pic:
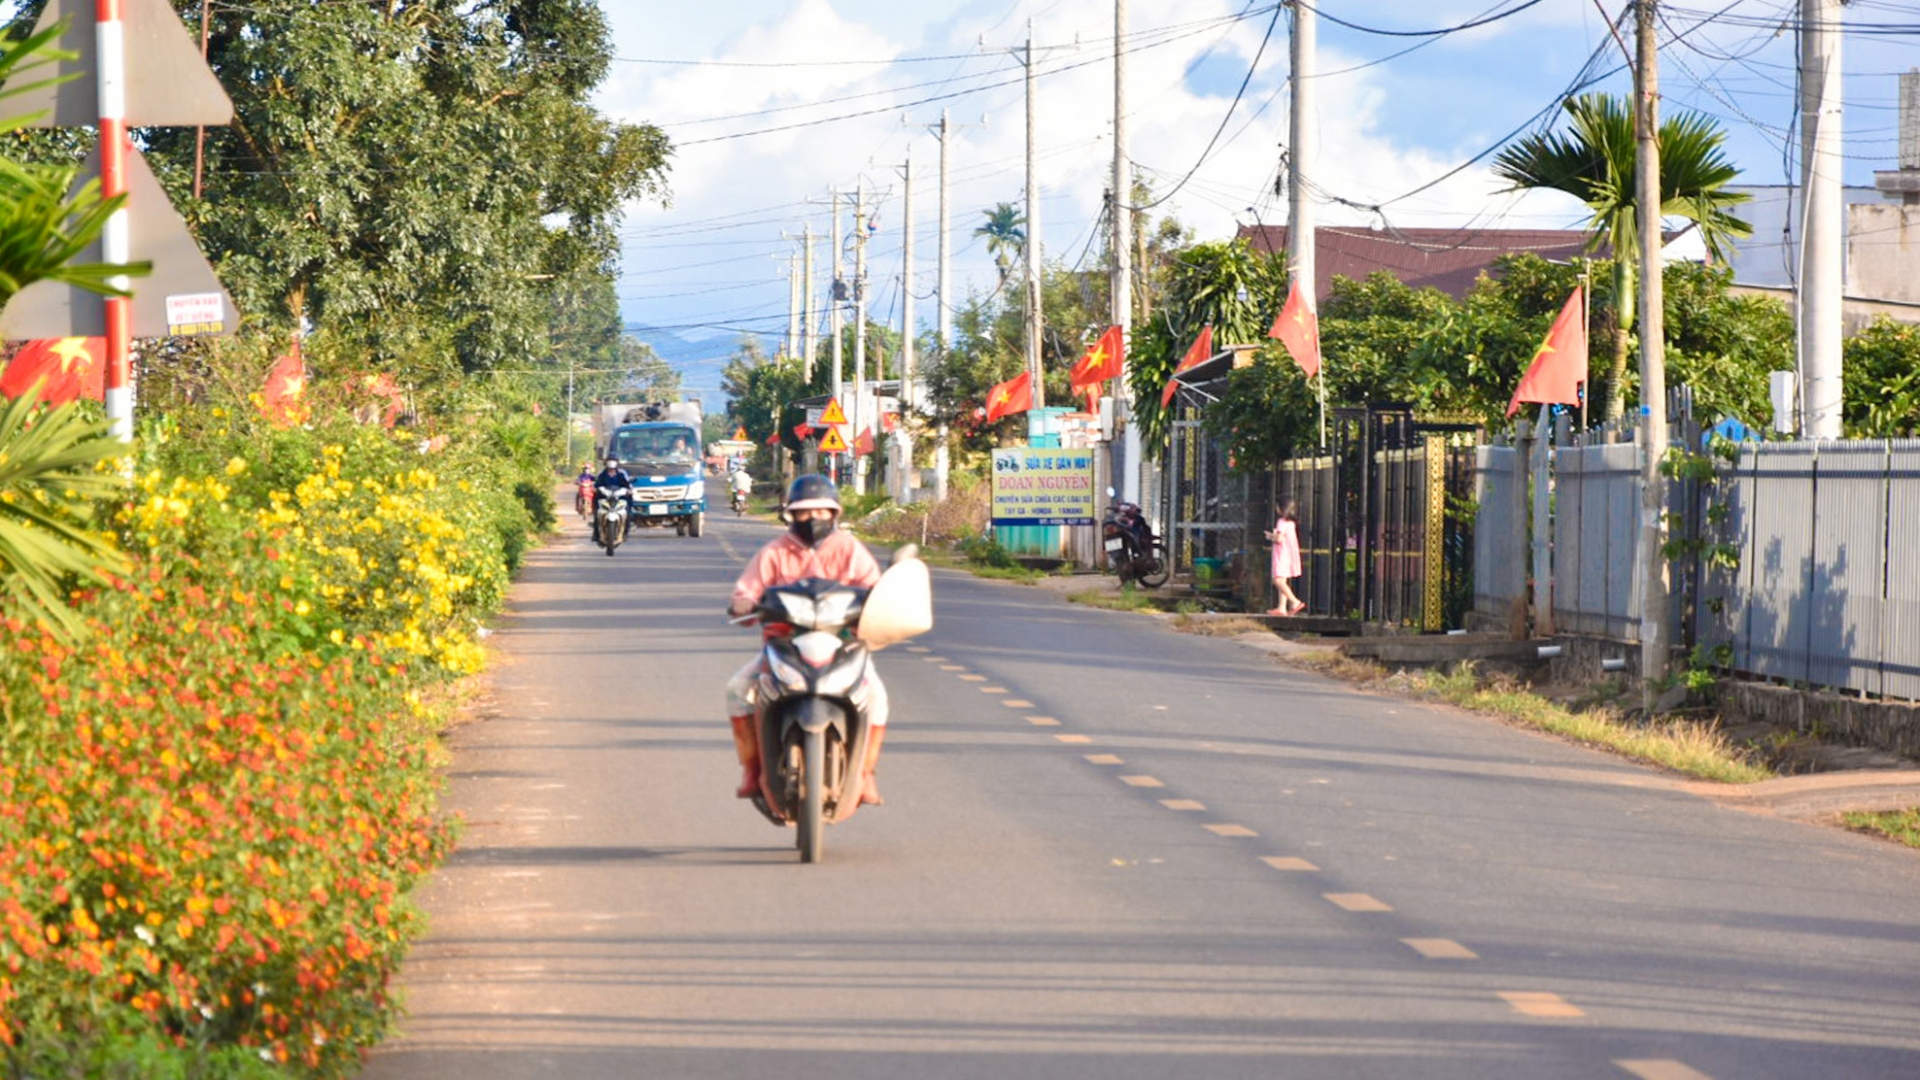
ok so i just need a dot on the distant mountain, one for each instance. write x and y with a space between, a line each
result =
697 359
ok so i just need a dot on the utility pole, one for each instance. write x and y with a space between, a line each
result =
1035 320
1653 369
809 319
1823 223
793 303
1303 135
909 392
859 416
1122 287
835 293
944 311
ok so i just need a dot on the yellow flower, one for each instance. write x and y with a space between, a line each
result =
236 466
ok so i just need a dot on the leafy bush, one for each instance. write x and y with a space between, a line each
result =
215 800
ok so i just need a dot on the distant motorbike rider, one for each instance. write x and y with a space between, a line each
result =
812 547
611 479
741 483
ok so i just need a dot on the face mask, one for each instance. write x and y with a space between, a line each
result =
812 530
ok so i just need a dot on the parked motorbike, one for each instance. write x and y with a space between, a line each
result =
610 520
813 739
1133 552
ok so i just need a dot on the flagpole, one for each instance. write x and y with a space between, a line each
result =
1586 333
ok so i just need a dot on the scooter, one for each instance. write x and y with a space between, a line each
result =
1133 552
813 738
610 523
583 498
739 501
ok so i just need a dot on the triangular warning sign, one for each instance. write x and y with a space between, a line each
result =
167 82
740 434
832 443
833 414
181 283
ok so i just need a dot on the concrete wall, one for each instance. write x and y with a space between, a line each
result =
1883 252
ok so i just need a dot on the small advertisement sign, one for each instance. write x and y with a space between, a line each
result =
189 314
1043 486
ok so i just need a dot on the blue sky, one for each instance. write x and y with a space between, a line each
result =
713 262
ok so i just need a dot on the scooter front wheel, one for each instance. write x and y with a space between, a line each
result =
812 821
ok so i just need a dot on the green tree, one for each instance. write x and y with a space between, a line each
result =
1881 381
1594 161
1005 232
424 182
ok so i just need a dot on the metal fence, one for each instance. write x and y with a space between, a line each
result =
1815 594
1596 525
1500 531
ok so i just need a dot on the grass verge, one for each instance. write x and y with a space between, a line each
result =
1127 599
1683 746
1219 626
1899 825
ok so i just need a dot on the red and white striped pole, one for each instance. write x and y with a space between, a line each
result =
115 242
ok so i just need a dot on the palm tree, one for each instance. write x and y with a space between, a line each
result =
1594 162
1006 233
49 485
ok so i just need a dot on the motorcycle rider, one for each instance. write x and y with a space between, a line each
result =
741 483
812 547
610 479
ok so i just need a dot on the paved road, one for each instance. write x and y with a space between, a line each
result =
1111 852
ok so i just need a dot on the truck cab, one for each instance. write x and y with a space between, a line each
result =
669 480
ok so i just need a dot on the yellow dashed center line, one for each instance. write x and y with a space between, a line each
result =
1105 759
918 649
953 667
993 689
1043 721
1662 1070
1355 901
1016 703
934 659
1287 862
1539 1003
1230 830
1439 948
1141 781
1183 804
973 678
1076 740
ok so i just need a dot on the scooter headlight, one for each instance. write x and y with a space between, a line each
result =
789 676
841 680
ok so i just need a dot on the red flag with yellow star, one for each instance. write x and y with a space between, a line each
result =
863 442
1560 365
1298 328
1013 396
1197 353
67 368
1101 362
282 399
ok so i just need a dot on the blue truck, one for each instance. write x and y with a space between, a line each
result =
659 447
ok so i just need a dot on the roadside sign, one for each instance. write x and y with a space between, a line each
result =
1035 485
832 443
833 414
740 434
816 416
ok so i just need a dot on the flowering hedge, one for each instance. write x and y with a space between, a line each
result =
213 805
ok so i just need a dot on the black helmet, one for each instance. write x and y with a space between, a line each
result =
811 492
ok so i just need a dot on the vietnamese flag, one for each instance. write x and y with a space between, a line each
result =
802 430
69 368
1298 328
1197 353
863 442
773 439
286 384
1013 396
1560 365
1101 362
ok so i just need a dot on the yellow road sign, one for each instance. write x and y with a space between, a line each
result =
834 414
832 443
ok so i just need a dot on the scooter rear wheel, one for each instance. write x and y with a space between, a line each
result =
1156 574
813 797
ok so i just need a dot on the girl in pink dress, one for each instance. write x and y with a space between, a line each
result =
1286 560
